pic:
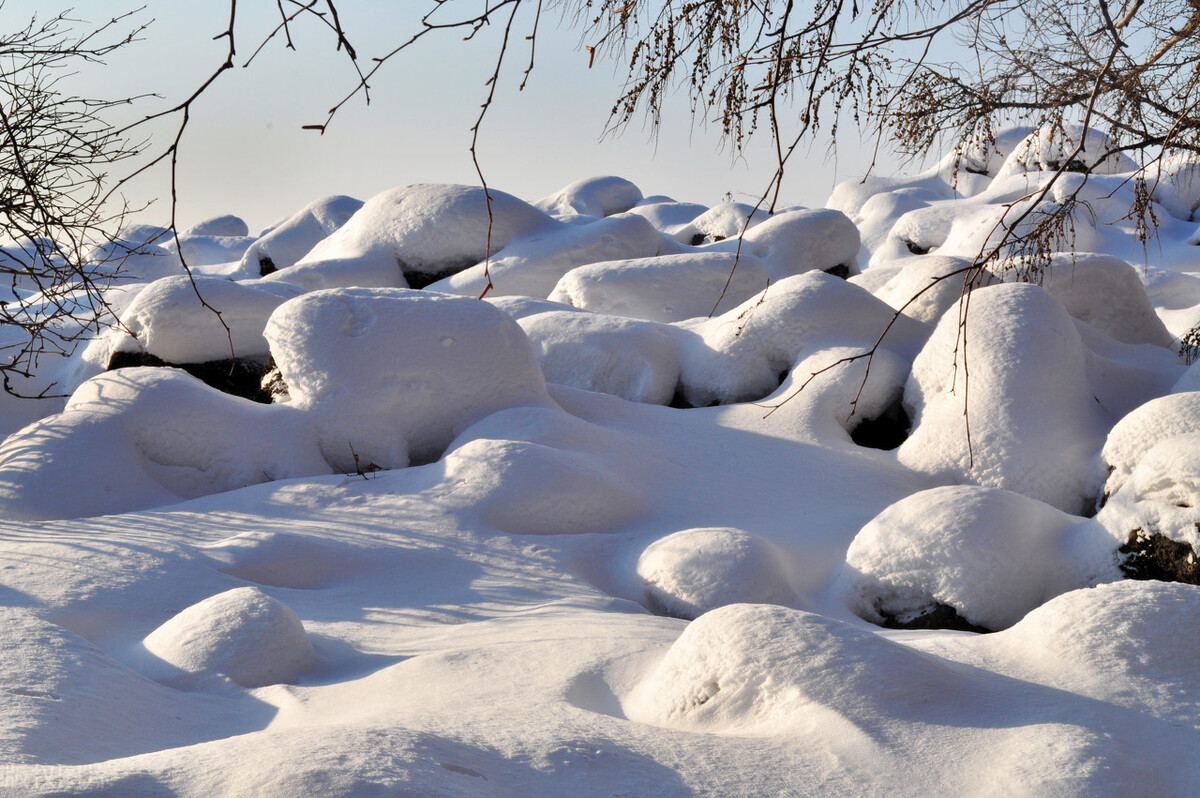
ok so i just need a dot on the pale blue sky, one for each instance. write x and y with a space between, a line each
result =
245 153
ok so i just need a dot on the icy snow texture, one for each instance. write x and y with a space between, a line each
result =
243 634
393 375
690 572
991 555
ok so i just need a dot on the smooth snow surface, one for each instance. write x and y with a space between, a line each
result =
634 523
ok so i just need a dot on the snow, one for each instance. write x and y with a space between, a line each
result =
601 533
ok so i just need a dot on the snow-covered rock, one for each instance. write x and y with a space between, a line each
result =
593 196
990 555
293 238
690 572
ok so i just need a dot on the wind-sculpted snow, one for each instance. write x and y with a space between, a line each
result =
698 500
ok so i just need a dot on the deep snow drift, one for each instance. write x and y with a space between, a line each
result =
636 523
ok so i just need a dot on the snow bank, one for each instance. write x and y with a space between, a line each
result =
243 634
690 572
990 555
393 375
1022 380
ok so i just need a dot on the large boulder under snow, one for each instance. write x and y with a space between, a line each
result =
429 231
989 555
1007 402
592 196
292 239
390 376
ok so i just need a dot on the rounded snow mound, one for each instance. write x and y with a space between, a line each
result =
1049 148
243 634
925 288
794 242
1144 428
1021 377
531 489
749 668
592 196
293 238
1134 641
666 288
990 555
690 572
168 320
391 376
430 231
727 220
635 360
228 226
1103 291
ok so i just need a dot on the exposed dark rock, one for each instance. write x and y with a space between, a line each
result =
842 270
239 377
916 248
272 382
266 266
420 279
936 616
1156 556
886 431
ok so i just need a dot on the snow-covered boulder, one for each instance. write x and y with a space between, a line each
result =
690 572
293 238
989 555
243 634
592 196
1047 148
1011 407
427 232
393 375
228 226
170 320
727 220
533 264
926 287
794 242
1145 428
667 288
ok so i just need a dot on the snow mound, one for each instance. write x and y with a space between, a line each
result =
1103 291
168 320
1048 148
666 215
429 231
794 242
143 437
667 288
718 223
228 226
925 288
294 237
531 489
690 572
758 668
533 265
1034 422
990 555
244 634
592 196
1135 642
1143 429
745 353
635 360
392 375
